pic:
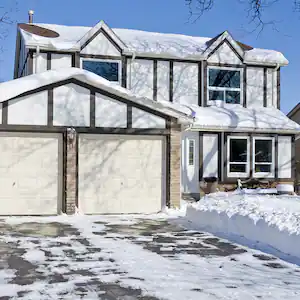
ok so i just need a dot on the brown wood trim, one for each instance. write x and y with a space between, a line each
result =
129 116
265 87
226 65
53 51
24 65
76 171
91 38
111 40
168 170
155 80
245 86
93 109
234 50
200 156
124 71
48 61
97 130
30 62
64 173
225 154
101 56
17 55
171 78
4 112
205 83
77 60
278 88
215 49
50 108
220 152
259 66
200 83
251 158
293 158
276 156
164 59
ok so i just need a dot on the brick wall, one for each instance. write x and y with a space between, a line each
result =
175 152
71 174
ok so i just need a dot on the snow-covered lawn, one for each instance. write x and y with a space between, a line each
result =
131 257
268 222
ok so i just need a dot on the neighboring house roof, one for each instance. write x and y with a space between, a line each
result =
151 44
235 118
294 111
18 87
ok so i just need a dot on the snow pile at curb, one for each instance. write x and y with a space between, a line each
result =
273 221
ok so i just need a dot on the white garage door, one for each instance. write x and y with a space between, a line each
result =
30 177
120 174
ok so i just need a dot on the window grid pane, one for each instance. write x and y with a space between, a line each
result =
224 78
191 152
238 150
237 168
107 70
263 151
262 168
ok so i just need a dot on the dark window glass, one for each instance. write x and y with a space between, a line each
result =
107 70
237 168
238 150
263 151
262 168
224 78
191 152
233 97
216 95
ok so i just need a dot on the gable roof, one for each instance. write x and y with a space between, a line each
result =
149 44
294 110
18 87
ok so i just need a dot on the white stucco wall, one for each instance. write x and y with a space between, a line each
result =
271 88
59 61
140 77
210 155
224 55
143 119
255 87
100 45
284 157
28 110
185 83
110 112
189 173
71 106
163 81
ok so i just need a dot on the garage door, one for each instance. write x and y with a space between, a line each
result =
120 174
30 177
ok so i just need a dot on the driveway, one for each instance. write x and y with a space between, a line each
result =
132 257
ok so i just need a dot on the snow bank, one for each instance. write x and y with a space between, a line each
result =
273 221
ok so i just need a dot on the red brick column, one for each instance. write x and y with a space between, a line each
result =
71 171
175 153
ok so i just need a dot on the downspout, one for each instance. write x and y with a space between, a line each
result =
131 61
36 59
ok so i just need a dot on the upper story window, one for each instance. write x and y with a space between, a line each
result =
109 70
224 84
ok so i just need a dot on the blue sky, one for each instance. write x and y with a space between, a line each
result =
169 16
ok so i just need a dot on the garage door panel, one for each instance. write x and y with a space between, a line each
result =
30 179
123 174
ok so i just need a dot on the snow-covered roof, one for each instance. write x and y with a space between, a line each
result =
235 118
144 43
16 87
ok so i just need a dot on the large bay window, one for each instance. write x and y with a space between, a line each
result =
238 156
224 85
239 160
263 157
108 69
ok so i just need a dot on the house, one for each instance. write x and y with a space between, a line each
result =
294 115
124 121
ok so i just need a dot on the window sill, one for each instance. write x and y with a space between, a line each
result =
264 175
237 175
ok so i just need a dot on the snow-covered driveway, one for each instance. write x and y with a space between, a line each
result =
132 257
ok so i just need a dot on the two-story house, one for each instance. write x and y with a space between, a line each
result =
124 121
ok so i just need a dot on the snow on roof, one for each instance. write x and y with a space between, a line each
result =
236 118
17 87
147 43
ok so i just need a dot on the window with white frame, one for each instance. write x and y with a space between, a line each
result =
109 70
238 156
224 84
191 152
263 156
